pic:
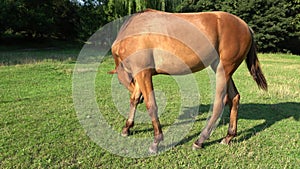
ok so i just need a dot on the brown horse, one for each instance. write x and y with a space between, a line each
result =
154 42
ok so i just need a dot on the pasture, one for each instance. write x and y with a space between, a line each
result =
39 127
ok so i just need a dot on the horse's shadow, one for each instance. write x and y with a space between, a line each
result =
270 113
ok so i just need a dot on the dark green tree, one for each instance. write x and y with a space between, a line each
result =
118 8
35 18
275 22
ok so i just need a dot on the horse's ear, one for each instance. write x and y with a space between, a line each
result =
112 72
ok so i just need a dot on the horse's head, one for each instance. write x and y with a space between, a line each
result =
125 77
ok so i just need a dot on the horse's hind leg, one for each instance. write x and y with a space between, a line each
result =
134 101
233 100
221 90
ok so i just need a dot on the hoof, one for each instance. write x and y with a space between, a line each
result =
223 142
125 133
196 146
153 149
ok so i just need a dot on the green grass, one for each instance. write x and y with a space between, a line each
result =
39 127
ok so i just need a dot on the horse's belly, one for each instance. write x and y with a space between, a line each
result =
181 60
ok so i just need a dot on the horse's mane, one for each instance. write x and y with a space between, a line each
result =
149 10
129 19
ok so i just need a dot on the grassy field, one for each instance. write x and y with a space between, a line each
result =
39 127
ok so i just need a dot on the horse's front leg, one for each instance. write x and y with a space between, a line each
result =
135 99
144 79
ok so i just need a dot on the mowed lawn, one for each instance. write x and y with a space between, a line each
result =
39 127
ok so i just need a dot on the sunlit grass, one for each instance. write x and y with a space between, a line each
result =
40 128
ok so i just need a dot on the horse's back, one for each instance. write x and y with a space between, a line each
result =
180 42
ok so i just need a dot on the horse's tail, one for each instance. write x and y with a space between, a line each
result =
254 66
